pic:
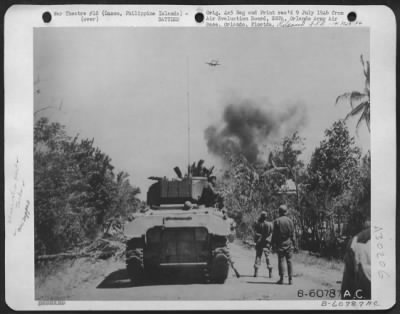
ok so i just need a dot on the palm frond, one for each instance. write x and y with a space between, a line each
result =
356 110
367 70
357 98
364 116
367 118
199 167
351 97
365 65
359 102
342 97
354 98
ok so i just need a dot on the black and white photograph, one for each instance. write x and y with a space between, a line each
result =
162 164
201 164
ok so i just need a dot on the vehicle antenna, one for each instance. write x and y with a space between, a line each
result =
188 112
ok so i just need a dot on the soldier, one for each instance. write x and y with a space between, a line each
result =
283 242
187 205
356 283
209 196
262 238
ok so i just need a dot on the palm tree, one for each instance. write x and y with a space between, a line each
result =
196 170
200 170
359 102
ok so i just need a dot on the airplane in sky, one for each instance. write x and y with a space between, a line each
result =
213 63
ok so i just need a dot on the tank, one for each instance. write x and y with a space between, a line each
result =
178 231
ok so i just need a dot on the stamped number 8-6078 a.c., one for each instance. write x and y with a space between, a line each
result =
318 293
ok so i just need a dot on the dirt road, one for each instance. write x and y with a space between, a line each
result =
309 273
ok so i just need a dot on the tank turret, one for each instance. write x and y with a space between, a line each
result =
175 191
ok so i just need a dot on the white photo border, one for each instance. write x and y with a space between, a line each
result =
20 20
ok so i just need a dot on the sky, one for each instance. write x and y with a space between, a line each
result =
130 88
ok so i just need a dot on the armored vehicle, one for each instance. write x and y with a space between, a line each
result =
177 231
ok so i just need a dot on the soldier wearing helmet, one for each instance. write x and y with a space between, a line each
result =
262 238
188 205
283 242
209 196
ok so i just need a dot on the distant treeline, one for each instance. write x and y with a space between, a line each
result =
75 188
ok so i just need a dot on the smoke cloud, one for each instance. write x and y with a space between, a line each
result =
247 126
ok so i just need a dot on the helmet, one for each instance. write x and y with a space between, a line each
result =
283 209
188 205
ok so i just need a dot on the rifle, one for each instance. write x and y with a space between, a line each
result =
233 267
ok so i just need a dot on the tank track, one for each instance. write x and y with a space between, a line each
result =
219 266
135 266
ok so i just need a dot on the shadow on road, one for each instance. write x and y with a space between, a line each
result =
263 282
120 279
252 276
117 279
272 282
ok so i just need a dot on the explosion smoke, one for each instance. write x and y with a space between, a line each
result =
246 126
